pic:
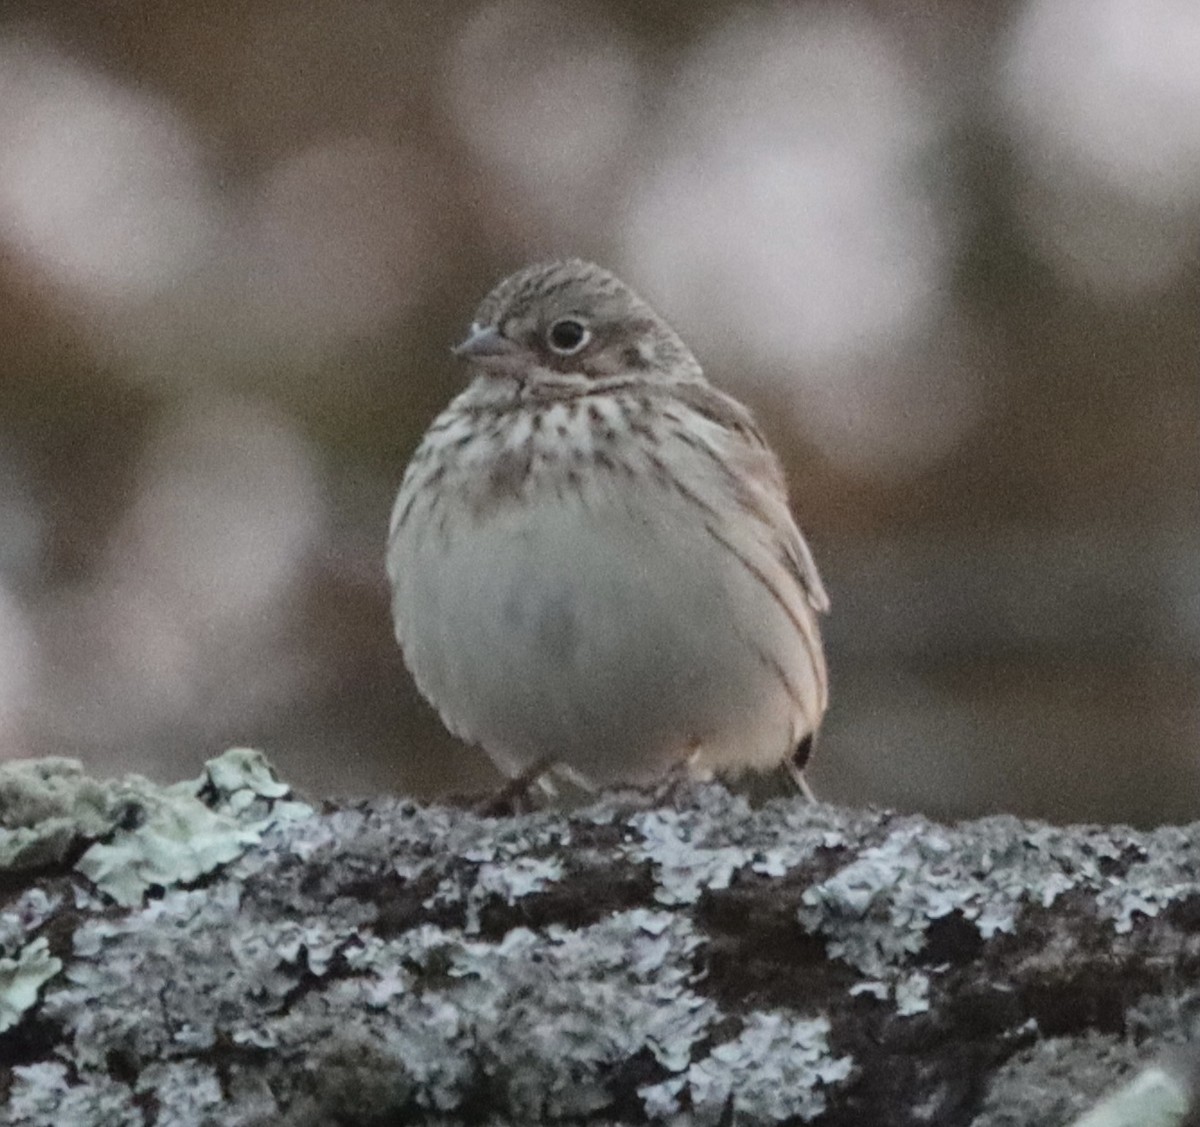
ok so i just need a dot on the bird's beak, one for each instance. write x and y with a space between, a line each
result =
489 349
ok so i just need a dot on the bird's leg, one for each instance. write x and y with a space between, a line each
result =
568 774
510 798
682 775
796 773
797 763
695 771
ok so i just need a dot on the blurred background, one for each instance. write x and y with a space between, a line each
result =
947 249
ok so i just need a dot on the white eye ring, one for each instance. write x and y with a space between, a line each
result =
568 335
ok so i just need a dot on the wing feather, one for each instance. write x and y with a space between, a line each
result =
758 482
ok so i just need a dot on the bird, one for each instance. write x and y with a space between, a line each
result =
594 569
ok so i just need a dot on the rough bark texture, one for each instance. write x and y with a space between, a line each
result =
216 953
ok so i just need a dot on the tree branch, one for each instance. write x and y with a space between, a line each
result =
217 953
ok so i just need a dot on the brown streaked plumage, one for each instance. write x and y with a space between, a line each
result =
592 557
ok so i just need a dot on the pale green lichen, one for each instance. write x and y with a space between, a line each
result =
242 774
142 834
778 1067
185 1094
179 840
541 1014
387 962
691 851
21 979
46 806
25 916
912 994
875 911
1155 1097
538 1017
46 1093
174 835
509 881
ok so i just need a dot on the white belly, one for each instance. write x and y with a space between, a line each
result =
609 631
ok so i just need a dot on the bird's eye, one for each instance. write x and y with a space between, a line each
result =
568 336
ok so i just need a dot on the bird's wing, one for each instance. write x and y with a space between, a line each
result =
758 482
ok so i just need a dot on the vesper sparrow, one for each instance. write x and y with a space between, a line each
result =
592 560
